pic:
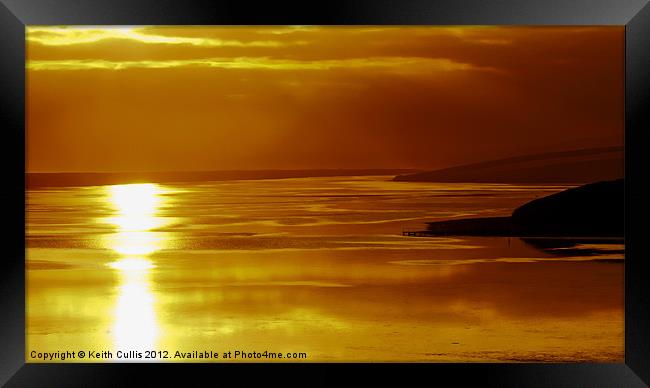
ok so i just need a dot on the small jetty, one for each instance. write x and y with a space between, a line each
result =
416 233
488 226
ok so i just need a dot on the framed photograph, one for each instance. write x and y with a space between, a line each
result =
452 188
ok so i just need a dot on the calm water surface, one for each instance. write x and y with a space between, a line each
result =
314 265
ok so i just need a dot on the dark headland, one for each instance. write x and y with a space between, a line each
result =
577 166
592 210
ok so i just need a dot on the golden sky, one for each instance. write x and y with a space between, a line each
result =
298 97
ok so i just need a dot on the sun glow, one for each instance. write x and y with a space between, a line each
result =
136 208
132 265
136 324
136 242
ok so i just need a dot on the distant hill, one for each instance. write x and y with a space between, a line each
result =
578 166
60 179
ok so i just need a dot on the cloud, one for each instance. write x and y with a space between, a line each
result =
395 64
409 97
65 36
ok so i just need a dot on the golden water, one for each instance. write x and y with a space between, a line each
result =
313 265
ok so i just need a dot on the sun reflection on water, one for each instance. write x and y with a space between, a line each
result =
136 213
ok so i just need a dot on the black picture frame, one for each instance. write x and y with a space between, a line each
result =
633 14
